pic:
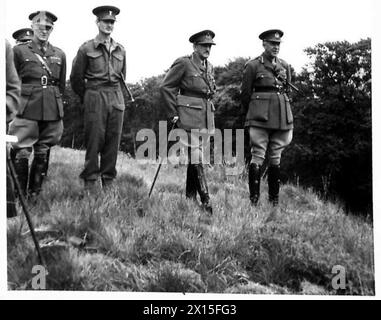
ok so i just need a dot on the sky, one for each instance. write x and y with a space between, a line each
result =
155 33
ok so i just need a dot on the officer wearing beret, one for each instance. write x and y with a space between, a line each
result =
23 35
268 113
187 91
38 124
98 69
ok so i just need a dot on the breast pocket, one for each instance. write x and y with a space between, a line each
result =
31 67
117 62
96 61
196 81
264 80
55 67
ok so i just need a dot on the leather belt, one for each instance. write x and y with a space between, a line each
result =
195 94
43 81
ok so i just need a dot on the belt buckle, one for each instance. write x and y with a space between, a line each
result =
44 81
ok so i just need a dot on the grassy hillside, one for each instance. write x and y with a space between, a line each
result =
122 241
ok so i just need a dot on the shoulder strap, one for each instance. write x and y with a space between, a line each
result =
43 62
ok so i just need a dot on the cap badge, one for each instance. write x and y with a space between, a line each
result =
277 35
110 13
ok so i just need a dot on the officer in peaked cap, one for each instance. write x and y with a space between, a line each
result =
192 77
274 35
97 72
23 35
38 124
43 18
203 37
264 97
106 12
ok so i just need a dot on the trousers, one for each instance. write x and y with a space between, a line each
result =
103 121
262 139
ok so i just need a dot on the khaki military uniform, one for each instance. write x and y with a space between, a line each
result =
38 123
267 107
187 92
13 85
95 77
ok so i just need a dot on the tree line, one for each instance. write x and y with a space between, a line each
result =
332 144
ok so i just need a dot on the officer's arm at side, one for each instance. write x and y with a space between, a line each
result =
77 76
247 85
63 73
170 87
13 84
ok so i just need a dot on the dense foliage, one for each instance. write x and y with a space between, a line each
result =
332 145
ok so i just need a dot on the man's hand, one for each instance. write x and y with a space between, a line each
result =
174 119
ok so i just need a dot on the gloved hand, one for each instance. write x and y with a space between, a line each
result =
174 119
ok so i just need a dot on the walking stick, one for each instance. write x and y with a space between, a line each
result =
24 207
158 168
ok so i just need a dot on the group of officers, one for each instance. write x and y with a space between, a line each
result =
187 91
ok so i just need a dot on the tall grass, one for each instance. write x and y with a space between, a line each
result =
167 243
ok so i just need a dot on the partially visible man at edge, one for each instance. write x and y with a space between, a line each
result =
13 88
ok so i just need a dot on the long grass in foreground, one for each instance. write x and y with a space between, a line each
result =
167 244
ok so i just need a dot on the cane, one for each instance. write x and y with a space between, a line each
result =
158 168
22 200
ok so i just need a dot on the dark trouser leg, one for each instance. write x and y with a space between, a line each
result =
47 163
254 182
95 112
191 187
273 181
202 188
113 131
37 174
22 169
11 201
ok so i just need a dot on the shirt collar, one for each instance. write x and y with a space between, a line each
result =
98 41
197 60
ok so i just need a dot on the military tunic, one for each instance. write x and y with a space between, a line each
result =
38 123
267 106
95 77
186 79
263 94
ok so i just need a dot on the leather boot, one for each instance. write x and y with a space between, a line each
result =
22 169
202 188
254 182
37 174
191 187
273 180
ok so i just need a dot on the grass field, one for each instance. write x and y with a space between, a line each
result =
119 240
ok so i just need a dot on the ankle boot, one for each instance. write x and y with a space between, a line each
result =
22 169
191 187
273 181
37 174
254 182
202 188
